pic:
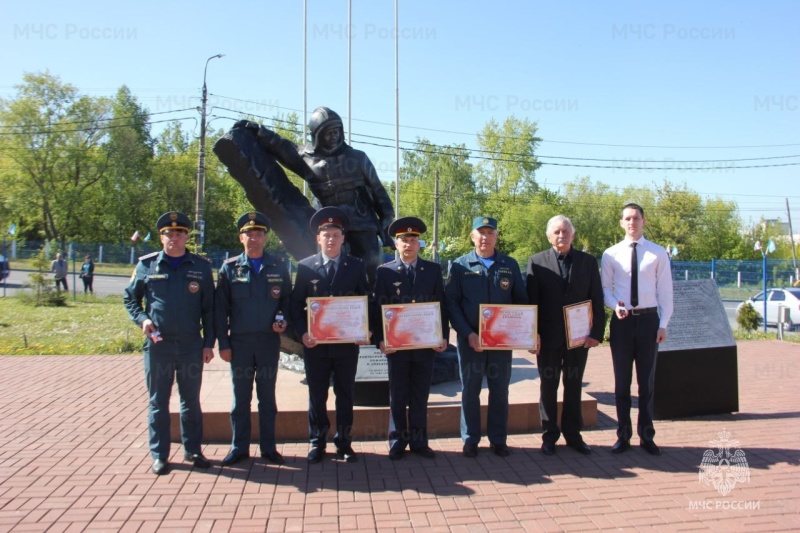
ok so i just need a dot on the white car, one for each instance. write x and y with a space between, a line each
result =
777 298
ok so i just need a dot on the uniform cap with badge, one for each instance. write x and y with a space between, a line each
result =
328 217
173 220
252 220
407 226
484 222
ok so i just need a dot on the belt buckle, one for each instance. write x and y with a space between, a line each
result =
636 312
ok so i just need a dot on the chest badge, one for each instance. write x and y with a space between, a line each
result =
276 291
505 283
194 287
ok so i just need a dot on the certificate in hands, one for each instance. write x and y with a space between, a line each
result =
508 327
412 326
338 319
578 322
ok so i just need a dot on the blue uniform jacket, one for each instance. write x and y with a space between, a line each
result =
470 283
312 281
392 287
179 302
246 302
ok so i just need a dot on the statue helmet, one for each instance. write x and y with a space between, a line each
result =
323 117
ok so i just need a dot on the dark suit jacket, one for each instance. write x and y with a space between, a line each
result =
392 287
312 281
546 289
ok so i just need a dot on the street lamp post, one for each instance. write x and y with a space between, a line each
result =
199 223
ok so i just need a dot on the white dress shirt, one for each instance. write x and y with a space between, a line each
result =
655 277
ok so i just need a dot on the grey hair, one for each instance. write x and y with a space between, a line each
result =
557 221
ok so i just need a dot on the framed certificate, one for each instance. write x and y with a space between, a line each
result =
411 326
578 323
508 327
338 319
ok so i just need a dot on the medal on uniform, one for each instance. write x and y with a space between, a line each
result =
314 283
397 284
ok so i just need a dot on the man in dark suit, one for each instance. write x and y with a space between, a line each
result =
559 277
408 279
328 273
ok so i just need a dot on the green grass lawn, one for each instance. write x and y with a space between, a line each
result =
90 326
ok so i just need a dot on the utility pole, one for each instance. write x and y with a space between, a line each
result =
199 223
436 217
791 240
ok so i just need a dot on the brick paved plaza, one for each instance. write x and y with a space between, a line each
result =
74 457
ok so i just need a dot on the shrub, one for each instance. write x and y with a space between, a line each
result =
748 318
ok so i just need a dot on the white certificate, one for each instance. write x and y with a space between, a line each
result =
412 326
508 327
338 319
578 322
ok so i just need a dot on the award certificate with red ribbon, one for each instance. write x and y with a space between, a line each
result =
412 326
508 327
338 319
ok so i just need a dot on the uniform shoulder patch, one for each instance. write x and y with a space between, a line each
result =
232 260
203 258
148 256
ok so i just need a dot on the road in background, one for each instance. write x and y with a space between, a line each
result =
103 284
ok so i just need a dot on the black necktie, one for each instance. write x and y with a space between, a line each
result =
331 271
634 277
410 274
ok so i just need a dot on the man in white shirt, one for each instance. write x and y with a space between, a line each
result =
637 285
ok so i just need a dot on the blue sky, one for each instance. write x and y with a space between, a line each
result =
634 82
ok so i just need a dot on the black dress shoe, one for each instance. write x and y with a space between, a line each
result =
160 467
234 457
650 447
548 448
470 450
425 452
316 455
580 447
197 460
621 446
273 457
500 450
347 453
395 454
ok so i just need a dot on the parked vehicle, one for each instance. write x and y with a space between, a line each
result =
777 298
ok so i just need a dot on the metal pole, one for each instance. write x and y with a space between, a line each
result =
201 167
436 217
791 235
349 69
764 268
305 83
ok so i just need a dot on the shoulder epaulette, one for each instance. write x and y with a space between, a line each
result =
148 256
232 260
203 258
386 264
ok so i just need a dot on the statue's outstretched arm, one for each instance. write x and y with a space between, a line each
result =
283 150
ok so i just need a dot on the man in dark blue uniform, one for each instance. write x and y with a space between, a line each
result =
178 287
408 279
328 273
483 276
253 292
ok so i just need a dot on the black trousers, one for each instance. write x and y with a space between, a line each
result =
410 373
633 340
319 371
554 365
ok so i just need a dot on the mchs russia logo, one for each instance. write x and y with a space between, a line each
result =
726 466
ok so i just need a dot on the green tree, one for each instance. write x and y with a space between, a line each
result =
510 165
56 141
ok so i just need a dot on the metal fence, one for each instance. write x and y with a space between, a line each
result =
727 272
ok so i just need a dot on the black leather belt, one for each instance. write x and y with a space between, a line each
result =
644 311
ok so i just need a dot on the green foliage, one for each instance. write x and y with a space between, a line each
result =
748 318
